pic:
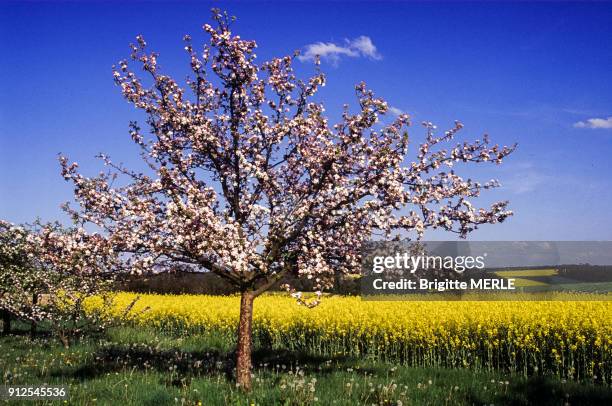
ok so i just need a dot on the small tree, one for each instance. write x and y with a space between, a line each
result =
17 290
47 272
249 179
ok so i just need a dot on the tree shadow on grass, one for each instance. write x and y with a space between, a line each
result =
544 391
276 359
179 364
143 357
23 329
44 334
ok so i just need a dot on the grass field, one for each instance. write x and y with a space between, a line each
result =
524 282
144 366
550 280
523 273
528 277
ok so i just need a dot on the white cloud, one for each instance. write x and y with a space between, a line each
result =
595 123
359 47
395 111
526 183
365 46
523 177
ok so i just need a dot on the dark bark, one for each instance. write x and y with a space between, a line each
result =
243 353
6 322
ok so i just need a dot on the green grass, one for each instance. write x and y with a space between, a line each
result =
522 276
131 366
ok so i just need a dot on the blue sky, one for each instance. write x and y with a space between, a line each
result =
538 74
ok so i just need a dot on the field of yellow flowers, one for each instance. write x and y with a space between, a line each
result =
571 339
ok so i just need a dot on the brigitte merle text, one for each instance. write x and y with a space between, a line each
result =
459 264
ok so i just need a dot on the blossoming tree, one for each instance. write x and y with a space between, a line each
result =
47 272
247 177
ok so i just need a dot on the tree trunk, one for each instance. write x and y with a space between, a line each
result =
6 321
32 329
33 323
243 356
64 339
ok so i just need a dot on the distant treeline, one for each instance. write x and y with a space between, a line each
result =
208 283
586 272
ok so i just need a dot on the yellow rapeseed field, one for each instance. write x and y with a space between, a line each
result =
570 338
